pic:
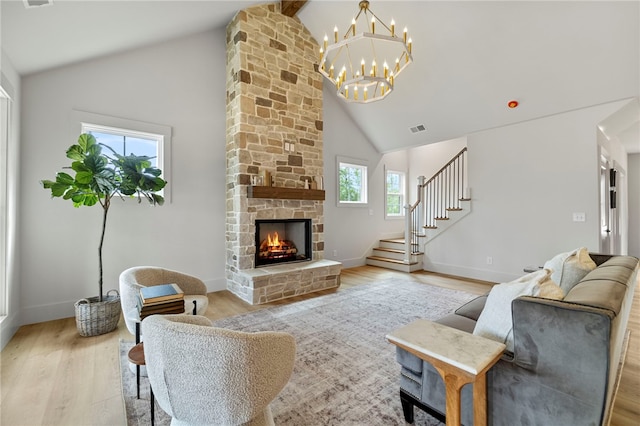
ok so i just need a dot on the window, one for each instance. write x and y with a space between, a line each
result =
352 183
394 194
127 137
126 142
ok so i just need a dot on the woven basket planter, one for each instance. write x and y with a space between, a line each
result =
94 317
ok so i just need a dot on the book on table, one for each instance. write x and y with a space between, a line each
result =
161 293
160 299
161 308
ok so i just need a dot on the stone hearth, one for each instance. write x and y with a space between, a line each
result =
274 101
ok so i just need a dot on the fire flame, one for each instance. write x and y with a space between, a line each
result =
275 242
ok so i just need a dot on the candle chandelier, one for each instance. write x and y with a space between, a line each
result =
364 64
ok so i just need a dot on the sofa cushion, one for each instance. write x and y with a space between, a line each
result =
604 294
457 321
409 361
626 261
495 321
570 267
473 308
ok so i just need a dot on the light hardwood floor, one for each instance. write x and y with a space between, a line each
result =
52 376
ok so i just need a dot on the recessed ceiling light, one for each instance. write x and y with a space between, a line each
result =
37 3
512 104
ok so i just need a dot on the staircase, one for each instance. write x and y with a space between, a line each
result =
390 254
442 201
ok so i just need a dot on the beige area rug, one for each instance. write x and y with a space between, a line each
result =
345 371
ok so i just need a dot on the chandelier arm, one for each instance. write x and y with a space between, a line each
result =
383 24
336 56
350 61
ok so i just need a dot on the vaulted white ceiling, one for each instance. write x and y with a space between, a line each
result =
470 58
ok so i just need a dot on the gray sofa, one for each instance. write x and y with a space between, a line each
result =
566 354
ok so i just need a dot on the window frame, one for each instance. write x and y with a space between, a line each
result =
403 194
86 121
6 107
364 189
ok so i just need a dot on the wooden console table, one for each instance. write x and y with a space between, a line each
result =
459 357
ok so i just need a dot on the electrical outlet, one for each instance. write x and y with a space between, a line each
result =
489 260
579 217
287 146
292 147
335 253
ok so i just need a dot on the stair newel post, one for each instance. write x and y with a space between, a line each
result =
408 220
421 205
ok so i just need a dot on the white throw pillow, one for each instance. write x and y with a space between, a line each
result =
569 268
495 321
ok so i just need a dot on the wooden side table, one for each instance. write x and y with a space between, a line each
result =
459 357
136 356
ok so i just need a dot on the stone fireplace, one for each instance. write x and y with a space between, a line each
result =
274 136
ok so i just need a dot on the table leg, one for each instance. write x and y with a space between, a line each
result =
480 400
153 405
138 381
452 386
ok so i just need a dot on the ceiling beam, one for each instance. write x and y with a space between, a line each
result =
291 7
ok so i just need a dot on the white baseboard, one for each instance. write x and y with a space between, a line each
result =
467 272
41 313
217 284
9 324
352 263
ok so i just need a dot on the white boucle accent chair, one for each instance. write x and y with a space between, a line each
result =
204 375
132 279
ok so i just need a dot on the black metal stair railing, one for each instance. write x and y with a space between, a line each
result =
442 193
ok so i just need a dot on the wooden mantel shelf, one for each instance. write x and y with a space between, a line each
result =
282 193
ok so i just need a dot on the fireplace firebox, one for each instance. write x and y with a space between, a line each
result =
282 240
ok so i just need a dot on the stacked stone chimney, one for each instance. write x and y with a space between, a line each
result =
274 101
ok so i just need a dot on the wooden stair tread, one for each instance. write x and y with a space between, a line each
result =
430 227
454 209
389 250
386 259
442 218
393 240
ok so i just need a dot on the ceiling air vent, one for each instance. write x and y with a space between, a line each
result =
418 128
37 3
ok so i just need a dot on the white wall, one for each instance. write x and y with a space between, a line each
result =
633 181
526 181
179 84
352 231
11 82
427 160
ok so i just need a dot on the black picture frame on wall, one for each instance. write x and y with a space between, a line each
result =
612 178
612 199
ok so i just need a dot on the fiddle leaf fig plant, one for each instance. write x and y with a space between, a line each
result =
99 177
